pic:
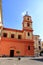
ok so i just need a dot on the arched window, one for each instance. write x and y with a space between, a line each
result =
28 24
28 47
28 34
27 18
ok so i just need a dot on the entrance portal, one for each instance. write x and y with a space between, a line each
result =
41 53
11 53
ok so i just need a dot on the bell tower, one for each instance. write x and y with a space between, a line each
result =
27 26
1 24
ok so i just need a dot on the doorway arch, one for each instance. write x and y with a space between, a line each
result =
41 53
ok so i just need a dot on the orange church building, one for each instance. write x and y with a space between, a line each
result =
17 42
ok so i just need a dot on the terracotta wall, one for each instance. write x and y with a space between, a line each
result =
8 44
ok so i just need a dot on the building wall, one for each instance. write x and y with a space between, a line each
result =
13 32
30 36
23 34
16 45
42 45
25 25
37 44
0 13
0 10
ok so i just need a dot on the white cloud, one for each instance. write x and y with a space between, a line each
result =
23 13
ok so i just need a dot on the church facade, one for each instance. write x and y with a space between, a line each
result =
17 42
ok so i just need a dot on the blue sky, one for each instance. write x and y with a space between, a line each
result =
13 10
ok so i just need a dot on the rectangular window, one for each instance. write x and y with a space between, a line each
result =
28 24
4 34
12 35
28 47
39 42
39 48
19 36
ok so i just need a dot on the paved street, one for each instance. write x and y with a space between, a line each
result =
15 61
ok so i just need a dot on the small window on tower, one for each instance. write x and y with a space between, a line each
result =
28 24
12 35
28 34
27 18
4 34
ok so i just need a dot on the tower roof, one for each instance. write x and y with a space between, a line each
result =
26 14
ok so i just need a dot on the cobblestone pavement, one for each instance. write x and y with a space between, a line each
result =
15 61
